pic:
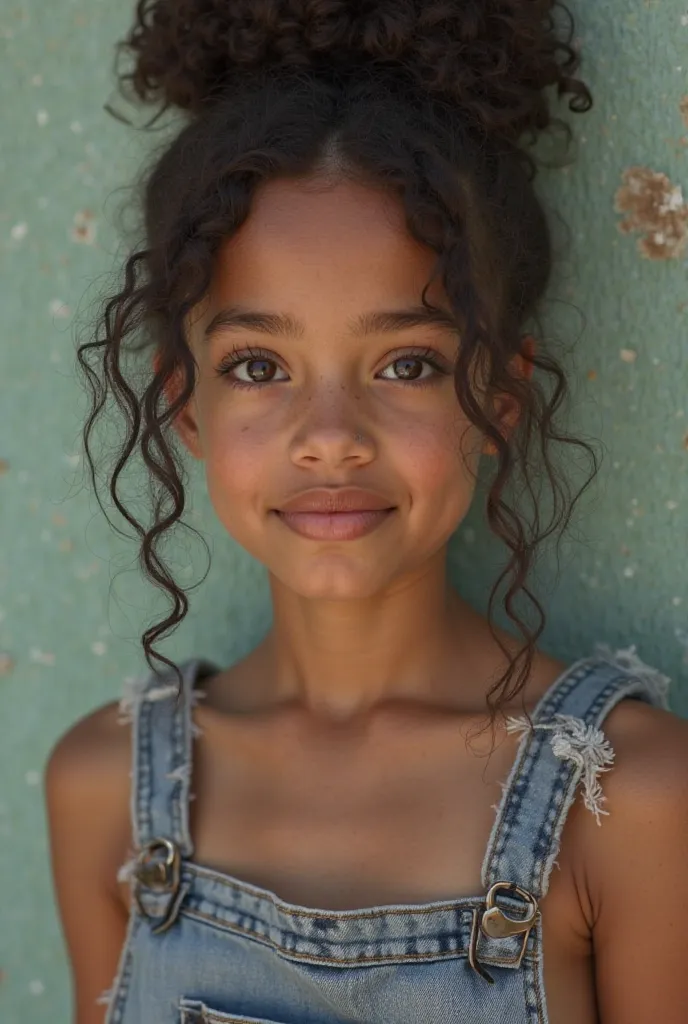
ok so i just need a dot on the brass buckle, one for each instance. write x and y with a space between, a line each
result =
495 924
159 874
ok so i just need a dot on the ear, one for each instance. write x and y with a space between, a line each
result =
185 422
507 405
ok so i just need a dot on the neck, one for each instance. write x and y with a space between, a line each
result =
417 642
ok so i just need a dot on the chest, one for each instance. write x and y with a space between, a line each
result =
344 821
348 820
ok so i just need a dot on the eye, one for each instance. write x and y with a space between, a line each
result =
249 369
254 367
413 367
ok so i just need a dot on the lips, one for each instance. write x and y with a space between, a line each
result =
340 499
337 514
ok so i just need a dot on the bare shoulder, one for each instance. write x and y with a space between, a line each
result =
632 873
651 752
87 782
95 747
646 799
87 787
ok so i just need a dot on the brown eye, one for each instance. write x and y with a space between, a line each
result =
250 369
408 367
260 370
415 368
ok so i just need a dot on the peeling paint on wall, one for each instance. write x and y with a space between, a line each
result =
656 208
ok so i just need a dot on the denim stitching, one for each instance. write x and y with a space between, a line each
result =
606 701
521 778
549 835
121 984
196 1012
520 774
573 739
294 953
539 986
564 793
512 795
542 843
564 784
177 746
535 1003
143 772
186 755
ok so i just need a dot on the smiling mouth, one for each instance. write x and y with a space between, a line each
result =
346 525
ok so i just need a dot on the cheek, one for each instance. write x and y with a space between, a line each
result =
438 462
237 473
438 456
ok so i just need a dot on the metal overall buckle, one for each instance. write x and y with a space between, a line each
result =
495 924
158 868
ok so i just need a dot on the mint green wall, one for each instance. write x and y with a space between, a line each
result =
72 604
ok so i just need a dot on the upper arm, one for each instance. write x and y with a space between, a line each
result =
638 871
86 786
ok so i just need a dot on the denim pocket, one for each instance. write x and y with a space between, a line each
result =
193 1011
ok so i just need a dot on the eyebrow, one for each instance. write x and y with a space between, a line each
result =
236 318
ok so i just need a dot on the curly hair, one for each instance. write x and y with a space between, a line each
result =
429 99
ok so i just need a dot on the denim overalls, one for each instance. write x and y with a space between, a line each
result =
203 946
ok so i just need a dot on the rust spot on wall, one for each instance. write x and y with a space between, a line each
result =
656 208
683 107
83 227
6 663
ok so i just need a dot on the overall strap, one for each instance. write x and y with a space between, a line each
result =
162 736
562 746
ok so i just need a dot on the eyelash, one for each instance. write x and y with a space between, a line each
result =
238 357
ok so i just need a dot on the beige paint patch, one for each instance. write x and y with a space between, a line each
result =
656 208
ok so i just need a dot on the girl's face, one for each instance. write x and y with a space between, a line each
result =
330 382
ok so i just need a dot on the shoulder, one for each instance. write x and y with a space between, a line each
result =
646 799
87 787
650 753
87 797
632 868
96 746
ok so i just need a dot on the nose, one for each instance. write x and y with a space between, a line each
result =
330 434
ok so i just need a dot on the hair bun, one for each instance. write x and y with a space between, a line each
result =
491 57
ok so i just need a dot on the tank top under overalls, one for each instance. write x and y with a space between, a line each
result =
203 946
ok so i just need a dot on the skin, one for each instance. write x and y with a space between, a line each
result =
340 764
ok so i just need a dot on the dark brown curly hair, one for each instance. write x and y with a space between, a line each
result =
430 99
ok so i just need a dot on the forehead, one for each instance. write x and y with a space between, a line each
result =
309 243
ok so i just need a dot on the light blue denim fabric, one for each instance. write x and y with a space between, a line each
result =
203 946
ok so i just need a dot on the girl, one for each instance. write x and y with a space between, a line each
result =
342 249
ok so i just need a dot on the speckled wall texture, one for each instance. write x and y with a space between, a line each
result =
72 603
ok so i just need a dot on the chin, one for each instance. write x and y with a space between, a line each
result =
332 579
